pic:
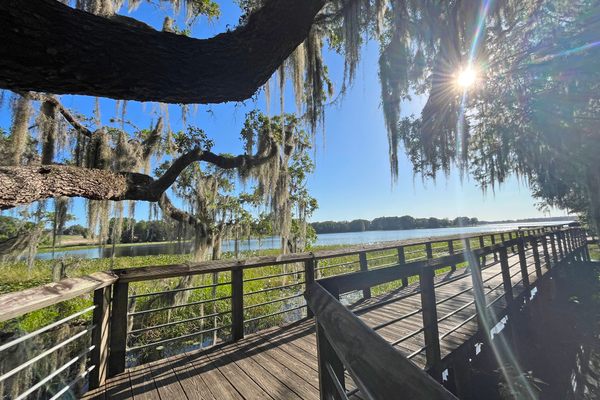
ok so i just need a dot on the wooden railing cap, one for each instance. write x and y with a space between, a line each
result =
175 270
13 305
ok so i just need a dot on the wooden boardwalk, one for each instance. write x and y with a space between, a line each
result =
282 363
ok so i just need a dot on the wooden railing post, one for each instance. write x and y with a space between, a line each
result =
522 234
118 328
581 244
523 262
574 245
536 257
560 246
237 304
100 335
430 324
510 237
327 356
428 250
493 240
481 246
451 251
364 266
506 279
309 277
402 261
553 245
478 293
546 252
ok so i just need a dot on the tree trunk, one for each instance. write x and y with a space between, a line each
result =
50 47
216 247
202 245
45 181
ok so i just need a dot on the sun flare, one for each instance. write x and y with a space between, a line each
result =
466 78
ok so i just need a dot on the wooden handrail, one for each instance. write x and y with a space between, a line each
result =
176 270
379 370
13 305
16 304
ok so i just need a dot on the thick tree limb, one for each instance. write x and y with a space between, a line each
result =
223 162
50 47
47 181
50 181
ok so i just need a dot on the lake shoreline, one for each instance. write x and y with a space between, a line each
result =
273 242
87 244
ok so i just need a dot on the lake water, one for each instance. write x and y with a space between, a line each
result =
326 239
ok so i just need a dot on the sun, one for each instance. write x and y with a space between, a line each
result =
466 78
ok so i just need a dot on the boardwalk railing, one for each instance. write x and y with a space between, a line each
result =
140 314
83 345
377 368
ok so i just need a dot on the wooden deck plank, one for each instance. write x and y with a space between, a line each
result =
119 387
283 373
142 384
220 387
308 373
262 376
193 383
298 353
166 381
247 387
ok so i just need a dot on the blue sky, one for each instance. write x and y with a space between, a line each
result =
352 178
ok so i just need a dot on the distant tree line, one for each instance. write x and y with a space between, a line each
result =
391 224
159 230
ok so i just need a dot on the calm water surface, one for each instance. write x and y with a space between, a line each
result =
325 239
